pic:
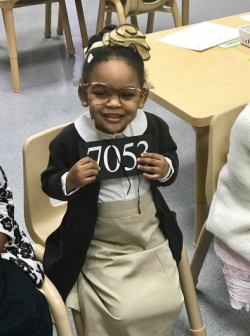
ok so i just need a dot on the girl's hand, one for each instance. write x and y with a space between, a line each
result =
82 173
154 166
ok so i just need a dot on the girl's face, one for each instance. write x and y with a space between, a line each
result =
113 115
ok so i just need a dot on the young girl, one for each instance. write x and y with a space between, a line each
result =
23 308
114 249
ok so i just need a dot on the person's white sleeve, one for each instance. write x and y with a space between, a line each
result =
63 182
169 173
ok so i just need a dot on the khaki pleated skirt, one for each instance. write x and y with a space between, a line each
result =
129 285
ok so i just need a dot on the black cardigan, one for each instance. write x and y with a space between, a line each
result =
66 247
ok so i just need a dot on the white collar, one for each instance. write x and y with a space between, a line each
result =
87 132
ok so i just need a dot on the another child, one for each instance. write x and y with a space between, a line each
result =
229 215
114 249
23 308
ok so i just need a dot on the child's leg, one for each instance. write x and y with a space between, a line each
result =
23 308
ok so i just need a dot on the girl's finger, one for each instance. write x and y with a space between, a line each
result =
90 165
91 172
89 180
148 169
151 155
86 159
150 162
151 177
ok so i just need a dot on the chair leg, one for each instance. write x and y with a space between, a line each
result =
11 37
200 253
58 309
59 23
134 21
67 31
101 15
47 29
185 12
176 14
82 23
120 11
78 322
197 327
150 22
108 18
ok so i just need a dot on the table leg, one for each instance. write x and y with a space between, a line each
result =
200 179
185 12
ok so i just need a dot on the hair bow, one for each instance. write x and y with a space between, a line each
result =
125 35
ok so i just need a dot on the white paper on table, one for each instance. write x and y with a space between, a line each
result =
201 36
245 17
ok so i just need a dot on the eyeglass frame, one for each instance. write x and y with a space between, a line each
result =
144 91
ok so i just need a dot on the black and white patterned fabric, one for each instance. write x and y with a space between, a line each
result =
17 248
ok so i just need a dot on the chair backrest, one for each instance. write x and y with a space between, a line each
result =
220 129
134 7
41 217
140 6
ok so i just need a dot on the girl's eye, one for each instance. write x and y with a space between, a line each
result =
100 94
127 95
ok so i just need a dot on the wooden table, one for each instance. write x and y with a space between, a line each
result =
196 85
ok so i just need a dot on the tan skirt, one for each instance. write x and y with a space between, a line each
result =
129 285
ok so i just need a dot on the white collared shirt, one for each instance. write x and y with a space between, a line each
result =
115 189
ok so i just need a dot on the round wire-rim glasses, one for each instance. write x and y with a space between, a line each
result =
130 97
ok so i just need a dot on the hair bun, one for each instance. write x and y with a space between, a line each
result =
107 29
98 37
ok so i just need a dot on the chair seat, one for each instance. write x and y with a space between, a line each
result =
23 3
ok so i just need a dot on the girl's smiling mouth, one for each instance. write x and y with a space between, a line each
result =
113 117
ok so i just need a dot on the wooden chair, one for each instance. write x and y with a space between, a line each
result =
220 128
171 6
7 11
42 218
81 20
132 8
